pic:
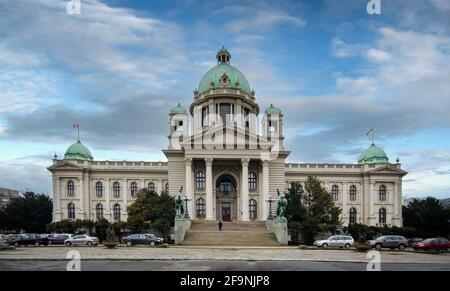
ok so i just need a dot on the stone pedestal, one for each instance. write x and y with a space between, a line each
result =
182 225
279 227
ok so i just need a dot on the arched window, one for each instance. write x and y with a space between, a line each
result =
200 180
201 208
252 181
226 184
352 192
352 218
382 216
134 189
166 187
71 211
382 193
99 189
335 192
116 212
99 211
151 187
252 208
116 190
70 188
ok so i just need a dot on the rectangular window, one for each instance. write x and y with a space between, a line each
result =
225 111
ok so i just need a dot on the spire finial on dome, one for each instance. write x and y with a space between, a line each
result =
223 56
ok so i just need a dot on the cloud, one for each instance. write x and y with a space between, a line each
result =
341 49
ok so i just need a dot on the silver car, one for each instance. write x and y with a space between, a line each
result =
341 241
82 239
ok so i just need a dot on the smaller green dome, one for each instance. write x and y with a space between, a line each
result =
273 110
373 155
178 109
78 151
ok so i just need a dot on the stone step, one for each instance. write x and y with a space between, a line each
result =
236 233
238 238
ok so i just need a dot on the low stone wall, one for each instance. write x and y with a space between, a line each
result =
182 226
279 227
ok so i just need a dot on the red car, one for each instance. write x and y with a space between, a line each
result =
435 244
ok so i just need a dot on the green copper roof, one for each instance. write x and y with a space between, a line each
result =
214 77
78 151
273 110
178 109
373 155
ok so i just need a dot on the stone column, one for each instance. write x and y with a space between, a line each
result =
209 190
125 199
345 201
159 187
371 201
244 190
81 195
265 189
107 198
58 194
189 188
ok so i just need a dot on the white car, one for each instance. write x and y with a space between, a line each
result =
341 241
82 239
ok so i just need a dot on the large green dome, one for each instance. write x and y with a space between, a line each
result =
373 155
214 77
78 151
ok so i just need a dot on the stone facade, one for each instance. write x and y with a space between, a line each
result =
229 159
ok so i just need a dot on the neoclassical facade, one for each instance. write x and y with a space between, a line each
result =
229 159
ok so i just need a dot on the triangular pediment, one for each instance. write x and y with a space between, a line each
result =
388 169
65 165
228 135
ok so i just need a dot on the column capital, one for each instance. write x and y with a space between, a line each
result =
265 163
245 162
188 162
208 162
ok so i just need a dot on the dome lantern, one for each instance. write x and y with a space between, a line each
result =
223 56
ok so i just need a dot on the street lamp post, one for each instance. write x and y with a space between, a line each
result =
186 213
270 201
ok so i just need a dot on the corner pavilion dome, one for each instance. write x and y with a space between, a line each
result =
214 78
78 151
178 109
273 110
373 155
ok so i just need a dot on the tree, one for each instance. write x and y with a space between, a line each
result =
151 209
428 217
312 210
30 212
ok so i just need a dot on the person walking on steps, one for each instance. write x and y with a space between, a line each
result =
220 224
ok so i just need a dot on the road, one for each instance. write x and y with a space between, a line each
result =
213 265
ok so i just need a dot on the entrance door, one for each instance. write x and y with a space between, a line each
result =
226 211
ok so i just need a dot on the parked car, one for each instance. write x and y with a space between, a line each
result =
412 241
390 241
3 237
58 239
433 244
82 239
141 239
342 241
28 239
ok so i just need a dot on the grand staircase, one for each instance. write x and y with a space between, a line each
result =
206 233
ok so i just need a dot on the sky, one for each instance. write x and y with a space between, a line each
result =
120 65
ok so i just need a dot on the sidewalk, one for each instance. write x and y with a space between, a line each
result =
215 253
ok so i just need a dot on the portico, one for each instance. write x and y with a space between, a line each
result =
227 188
